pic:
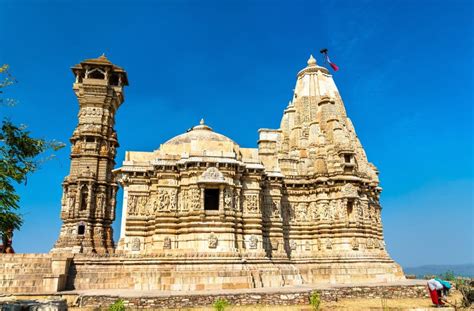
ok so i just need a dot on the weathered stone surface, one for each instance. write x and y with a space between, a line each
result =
274 297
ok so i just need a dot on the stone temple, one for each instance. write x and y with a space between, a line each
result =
201 212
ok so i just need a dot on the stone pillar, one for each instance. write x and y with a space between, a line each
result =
124 212
221 200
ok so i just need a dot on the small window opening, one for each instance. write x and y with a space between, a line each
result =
211 199
90 139
81 229
347 158
114 80
350 207
96 74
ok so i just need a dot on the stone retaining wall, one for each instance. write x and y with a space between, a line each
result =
297 297
33 273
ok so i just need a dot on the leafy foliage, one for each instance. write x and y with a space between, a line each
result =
119 305
220 304
315 300
18 152
466 288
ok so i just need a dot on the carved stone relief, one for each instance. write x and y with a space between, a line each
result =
275 244
167 243
275 208
135 245
251 203
313 211
300 212
328 243
293 245
212 242
137 205
350 191
212 174
354 243
228 198
163 200
237 200
100 201
195 198
253 242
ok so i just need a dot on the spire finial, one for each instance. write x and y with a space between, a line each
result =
311 61
202 121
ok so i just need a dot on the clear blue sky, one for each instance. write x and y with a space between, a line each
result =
406 79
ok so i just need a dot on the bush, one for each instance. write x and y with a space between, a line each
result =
117 306
466 289
220 304
315 300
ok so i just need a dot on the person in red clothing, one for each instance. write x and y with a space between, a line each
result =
435 289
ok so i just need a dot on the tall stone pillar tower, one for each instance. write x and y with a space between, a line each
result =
89 192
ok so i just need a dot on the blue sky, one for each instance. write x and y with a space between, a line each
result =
406 79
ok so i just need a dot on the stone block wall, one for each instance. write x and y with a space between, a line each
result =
32 273
164 274
283 297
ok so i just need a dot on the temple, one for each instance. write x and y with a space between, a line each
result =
201 212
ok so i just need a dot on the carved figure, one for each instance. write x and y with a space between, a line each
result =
71 200
293 245
328 243
167 243
135 244
275 244
195 199
213 241
253 242
275 208
100 201
227 198
104 150
237 200
354 243
164 200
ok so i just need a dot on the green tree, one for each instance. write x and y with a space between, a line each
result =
18 158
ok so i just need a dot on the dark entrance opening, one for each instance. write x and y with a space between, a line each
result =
350 207
211 199
81 229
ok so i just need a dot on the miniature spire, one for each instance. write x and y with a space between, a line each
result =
202 121
311 61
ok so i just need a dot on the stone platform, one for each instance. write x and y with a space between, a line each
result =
52 273
291 295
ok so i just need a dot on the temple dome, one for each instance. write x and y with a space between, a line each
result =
200 140
201 132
